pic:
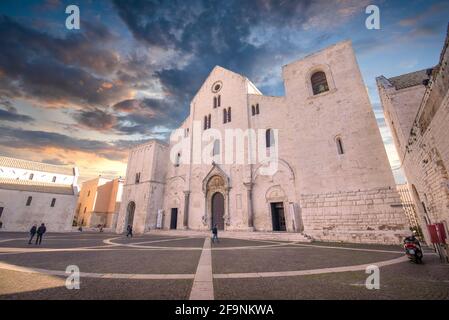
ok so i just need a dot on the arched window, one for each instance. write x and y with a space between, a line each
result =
269 138
257 108
215 102
319 82
229 114
253 110
225 115
29 201
339 145
216 149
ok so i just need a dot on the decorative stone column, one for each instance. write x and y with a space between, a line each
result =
186 209
249 201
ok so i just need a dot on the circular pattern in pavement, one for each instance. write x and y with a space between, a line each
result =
146 256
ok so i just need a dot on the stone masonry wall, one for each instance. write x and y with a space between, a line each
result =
370 216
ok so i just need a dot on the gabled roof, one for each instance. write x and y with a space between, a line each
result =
36 166
35 186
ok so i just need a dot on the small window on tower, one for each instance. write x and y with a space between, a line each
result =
29 201
138 177
339 145
31 176
54 179
229 114
53 202
225 115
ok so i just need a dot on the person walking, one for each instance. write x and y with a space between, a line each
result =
33 231
40 232
215 234
129 231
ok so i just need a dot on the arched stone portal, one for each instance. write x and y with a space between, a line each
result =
216 195
130 214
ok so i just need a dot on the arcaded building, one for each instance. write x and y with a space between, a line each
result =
416 108
313 159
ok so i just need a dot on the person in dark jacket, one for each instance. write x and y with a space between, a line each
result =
129 230
215 234
40 232
33 231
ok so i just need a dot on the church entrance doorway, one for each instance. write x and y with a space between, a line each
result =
174 218
218 210
277 216
130 214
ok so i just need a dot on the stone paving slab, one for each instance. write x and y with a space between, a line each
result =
399 281
287 259
18 285
114 261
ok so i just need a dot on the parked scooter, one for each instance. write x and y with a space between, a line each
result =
413 249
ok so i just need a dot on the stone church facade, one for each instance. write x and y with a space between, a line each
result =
333 180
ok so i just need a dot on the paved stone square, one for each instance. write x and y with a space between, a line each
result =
167 266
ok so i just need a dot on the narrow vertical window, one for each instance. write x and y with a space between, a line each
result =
31 176
269 138
253 110
53 202
205 122
54 179
208 121
339 145
257 108
229 114
215 102
225 115
29 201
138 177
219 101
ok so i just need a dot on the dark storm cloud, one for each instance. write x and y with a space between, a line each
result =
53 69
6 115
10 113
95 119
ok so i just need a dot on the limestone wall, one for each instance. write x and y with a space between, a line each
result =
17 216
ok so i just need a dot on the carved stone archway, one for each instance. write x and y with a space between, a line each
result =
215 181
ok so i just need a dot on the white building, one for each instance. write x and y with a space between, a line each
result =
333 180
35 193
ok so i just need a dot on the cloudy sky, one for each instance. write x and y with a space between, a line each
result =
85 96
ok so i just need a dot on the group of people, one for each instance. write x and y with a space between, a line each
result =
37 231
